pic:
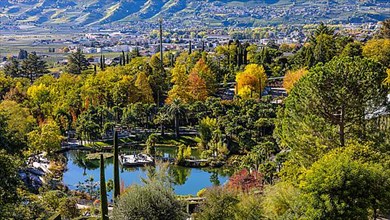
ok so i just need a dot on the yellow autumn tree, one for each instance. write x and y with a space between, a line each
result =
292 77
180 84
379 50
251 82
145 91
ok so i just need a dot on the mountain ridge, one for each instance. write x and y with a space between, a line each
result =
210 12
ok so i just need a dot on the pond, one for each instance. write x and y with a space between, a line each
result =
187 181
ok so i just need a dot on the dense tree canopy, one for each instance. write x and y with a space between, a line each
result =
327 158
339 186
330 106
8 184
77 62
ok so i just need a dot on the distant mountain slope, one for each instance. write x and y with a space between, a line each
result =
188 12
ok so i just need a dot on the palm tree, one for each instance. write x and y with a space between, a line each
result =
176 109
162 118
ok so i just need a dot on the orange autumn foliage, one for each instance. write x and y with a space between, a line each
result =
197 87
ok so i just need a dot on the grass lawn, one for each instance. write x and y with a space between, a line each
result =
164 141
169 140
98 144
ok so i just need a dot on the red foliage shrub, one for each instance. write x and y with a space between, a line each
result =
245 181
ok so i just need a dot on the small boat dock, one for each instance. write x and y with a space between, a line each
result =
135 160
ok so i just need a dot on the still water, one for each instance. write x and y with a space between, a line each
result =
187 181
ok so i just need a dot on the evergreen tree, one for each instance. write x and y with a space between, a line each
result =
330 106
12 68
33 67
127 58
116 166
123 58
103 192
102 62
77 62
22 54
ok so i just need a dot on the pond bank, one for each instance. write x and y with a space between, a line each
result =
186 181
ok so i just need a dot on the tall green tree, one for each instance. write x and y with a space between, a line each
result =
103 192
116 166
324 48
331 106
12 68
46 138
33 67
77 62
9 183
176 109
157 78
18 122
321 29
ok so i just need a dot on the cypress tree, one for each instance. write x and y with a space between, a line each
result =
245 55
94 68
127 58
203 46
190 49
238 55
116 166
101 62
123 58
172 59
104 62
103 192
229 54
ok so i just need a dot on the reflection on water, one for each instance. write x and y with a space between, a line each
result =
186 180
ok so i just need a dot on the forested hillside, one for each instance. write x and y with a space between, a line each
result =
182 12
